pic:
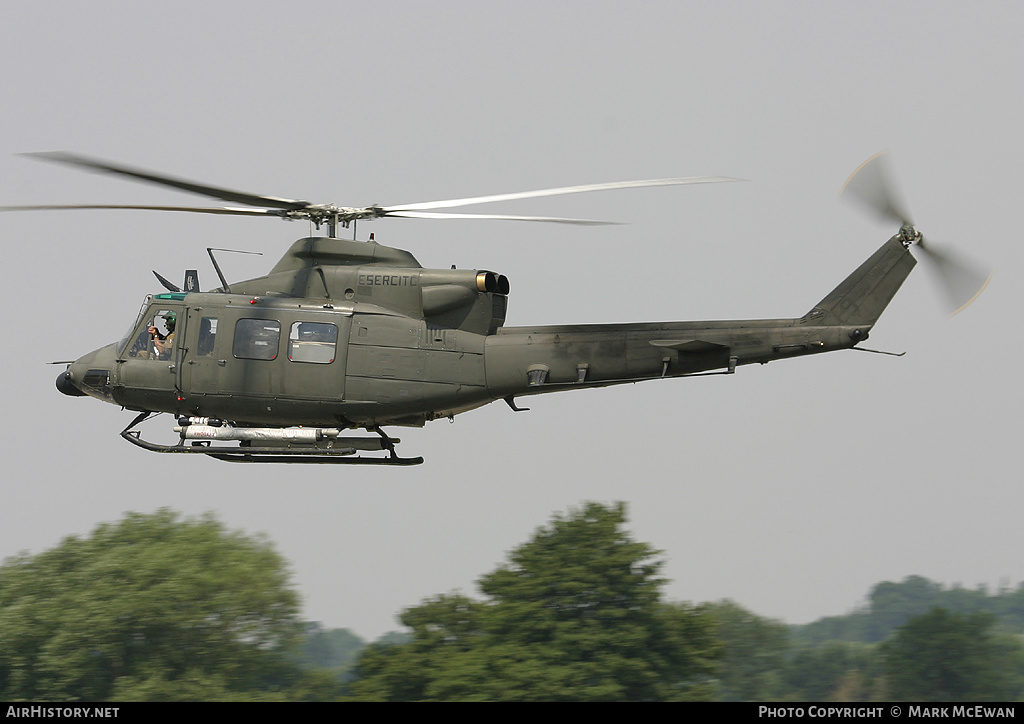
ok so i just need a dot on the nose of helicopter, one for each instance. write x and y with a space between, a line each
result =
66 386
89 375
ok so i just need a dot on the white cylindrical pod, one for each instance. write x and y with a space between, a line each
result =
291 434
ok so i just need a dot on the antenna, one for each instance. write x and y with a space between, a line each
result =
220 274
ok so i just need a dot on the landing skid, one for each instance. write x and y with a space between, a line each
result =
341 451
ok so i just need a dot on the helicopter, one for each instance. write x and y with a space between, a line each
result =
342 335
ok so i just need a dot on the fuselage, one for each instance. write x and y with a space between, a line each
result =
381 341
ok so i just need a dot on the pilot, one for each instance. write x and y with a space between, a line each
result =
163 343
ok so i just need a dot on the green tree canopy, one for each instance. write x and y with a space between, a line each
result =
753 650
335 649
151 607
890 605
575 614
834 671
944 656
893 604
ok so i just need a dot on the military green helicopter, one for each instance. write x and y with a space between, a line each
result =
344 334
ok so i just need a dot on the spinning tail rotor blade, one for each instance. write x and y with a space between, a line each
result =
961 281
870 185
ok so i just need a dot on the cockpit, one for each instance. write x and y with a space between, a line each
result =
152 335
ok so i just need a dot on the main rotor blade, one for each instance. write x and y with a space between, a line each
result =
961 281
449 203
505 217
871 186
190 186
190 209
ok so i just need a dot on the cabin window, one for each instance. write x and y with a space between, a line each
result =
207 336
257 338
314 342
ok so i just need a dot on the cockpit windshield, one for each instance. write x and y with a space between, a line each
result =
128 335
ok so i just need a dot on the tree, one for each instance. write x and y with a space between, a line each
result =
944 656
834 671
151 607
335 649
753 649
893 604
575 614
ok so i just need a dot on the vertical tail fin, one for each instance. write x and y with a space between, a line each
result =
862 297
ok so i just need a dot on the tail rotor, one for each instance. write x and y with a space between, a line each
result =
961 280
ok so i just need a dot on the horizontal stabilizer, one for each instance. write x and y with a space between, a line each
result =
689 345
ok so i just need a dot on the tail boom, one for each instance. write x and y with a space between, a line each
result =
534 360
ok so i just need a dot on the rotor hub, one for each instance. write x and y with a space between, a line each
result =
908 234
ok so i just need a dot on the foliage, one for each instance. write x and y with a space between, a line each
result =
947 656
158 608
893 604
150 607
834 671
393 638
336 649
575 614
464 649
754 648
890 605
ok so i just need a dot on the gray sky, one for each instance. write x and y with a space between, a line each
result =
790 488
